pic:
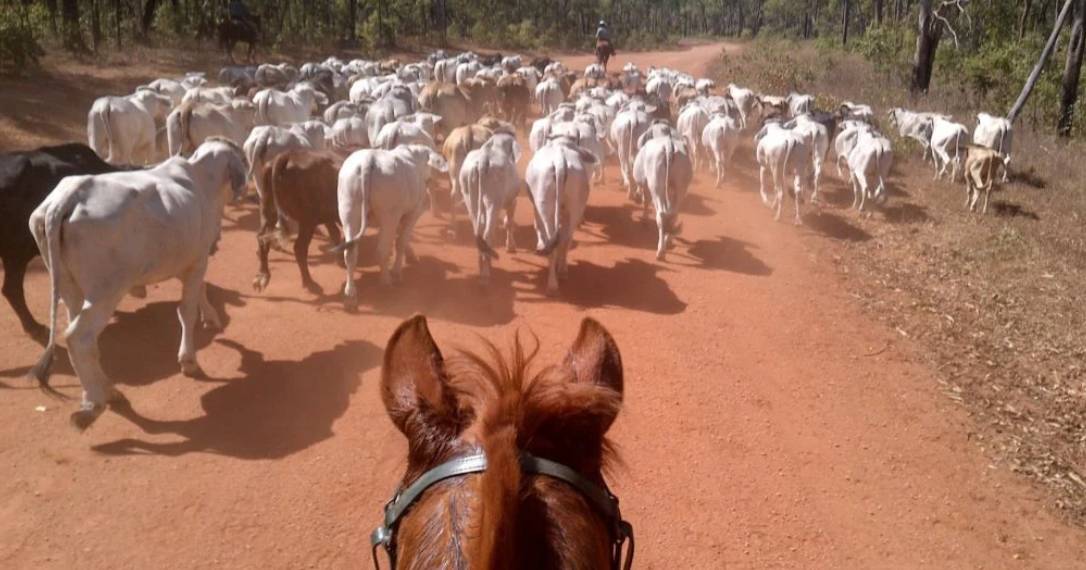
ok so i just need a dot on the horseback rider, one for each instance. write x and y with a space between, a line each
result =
240 15
602 33
604 48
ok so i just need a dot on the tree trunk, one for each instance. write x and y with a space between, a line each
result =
846 11
1024 20
878 12
928 34
117 21
352 21
73 35
51 7
1045 54
96 25
149 9
1071 71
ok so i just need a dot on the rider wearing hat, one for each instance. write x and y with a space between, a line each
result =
602 33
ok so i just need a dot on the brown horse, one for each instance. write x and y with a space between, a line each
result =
232 33
503 470
604 51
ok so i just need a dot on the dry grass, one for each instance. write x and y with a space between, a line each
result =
997 301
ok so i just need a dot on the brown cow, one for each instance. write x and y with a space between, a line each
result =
514 99
458 144
982 164
457 106
301 184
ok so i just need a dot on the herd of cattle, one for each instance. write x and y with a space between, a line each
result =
351 144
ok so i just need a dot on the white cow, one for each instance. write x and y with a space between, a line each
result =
847 134
914 125
799 103
691 124
489 183
703 86
818 139
594 71
402 132
995 133
720 138
663 168
781 151
626 130
101 236
343 110
549 94
215 95
274 107
384 111
531 77
122 129
872 155
268 141
948 140
557 178
348 135
191 124
390 185
857 112
747 102
586 132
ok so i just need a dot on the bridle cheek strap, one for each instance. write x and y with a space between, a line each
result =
601 498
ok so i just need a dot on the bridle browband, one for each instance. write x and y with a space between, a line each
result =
600 496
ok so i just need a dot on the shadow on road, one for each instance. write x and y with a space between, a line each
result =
276 408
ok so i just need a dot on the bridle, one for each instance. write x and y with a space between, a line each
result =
600 496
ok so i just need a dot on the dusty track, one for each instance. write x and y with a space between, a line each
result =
768 423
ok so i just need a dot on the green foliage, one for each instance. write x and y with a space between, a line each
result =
886 47
19 48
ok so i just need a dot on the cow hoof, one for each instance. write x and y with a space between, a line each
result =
191 369
552 291
139 291
260 282
312 287
212 323
661 256
86 416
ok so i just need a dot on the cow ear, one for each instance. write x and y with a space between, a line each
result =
438 163
415 385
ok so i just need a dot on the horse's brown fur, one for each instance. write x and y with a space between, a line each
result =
503 518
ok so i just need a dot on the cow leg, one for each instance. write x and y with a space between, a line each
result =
208 314
855 190
510 226
661 242
14 273
761 185
82 339
540 243
192 290
263 275
798 194
987 197
403 241
552 272
301 256
333 232
385 240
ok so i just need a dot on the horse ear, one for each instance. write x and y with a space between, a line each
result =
414 384
594 357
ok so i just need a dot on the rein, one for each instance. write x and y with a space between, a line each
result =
600 497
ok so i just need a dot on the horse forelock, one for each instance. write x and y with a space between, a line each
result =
497 518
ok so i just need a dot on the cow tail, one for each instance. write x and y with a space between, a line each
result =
879 157
185 129
46 230
269 210
364 173
258 158
479 215
668 215
787 159
559 184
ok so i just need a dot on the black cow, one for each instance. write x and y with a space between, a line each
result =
26 178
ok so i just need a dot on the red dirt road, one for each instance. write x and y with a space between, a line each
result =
768 422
